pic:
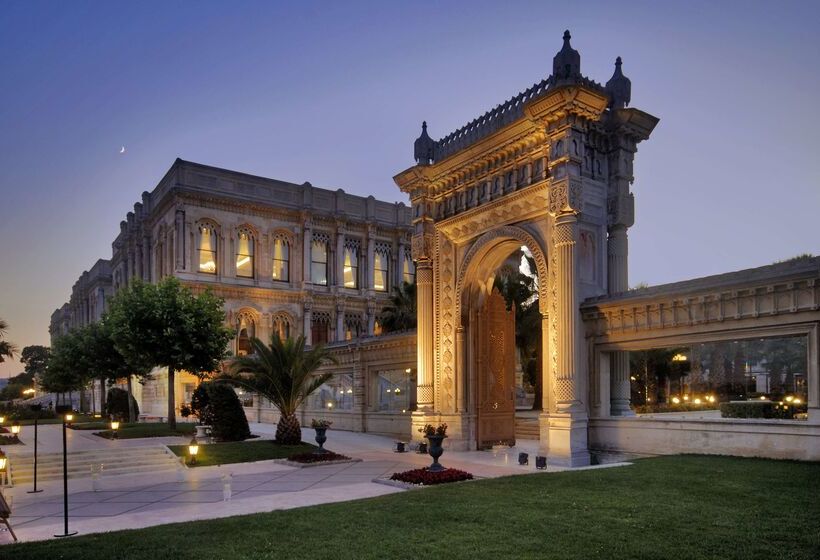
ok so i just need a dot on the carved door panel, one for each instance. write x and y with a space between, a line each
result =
496 373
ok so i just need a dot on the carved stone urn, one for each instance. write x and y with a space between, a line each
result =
321 438
436 450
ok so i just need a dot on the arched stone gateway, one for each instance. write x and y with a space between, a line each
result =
550 169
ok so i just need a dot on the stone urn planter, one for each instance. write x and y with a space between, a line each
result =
435 450
321 438
202 431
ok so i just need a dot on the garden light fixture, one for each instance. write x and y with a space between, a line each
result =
115 425
3 461
193 449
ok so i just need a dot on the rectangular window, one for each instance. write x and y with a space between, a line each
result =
318 262
380 276
207 250
395 390
408 270
319 332
752 378
281 261
351 268
244 255
336 394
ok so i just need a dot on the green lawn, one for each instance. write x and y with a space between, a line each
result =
671 507
149 429
241 452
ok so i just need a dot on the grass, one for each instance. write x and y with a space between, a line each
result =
46 421
241 452
687 507
148 429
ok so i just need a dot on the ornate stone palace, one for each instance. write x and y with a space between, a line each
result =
551 170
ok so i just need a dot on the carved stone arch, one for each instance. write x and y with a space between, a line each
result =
249 227
480 245
208 221
282 323
283 234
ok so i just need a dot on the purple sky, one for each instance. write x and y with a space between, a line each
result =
334 93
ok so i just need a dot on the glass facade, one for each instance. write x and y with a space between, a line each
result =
336 394
395 390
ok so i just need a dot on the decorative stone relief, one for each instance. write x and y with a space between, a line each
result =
446 328
564 197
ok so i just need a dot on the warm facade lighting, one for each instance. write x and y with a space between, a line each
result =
697 401
676 400
29 391
679 358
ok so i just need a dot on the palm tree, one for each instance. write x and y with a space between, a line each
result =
7 349
400 313
282 372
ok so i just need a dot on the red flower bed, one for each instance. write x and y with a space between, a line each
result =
317 458
427 478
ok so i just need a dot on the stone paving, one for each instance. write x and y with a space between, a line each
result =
132 501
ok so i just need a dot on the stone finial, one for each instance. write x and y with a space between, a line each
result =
619 88
566 65
424 147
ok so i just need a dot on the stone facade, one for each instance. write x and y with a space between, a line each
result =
287 259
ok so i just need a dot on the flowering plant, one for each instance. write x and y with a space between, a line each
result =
427 478
322 423
429 430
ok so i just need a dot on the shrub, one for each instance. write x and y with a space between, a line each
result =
427 478
13 412
199 404
116 404
760 409
228 420
317 457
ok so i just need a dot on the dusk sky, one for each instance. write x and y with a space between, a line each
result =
334 93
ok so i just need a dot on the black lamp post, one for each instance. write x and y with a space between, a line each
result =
65 410
36 409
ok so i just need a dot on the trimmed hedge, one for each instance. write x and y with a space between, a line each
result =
228 420
116 404
760 409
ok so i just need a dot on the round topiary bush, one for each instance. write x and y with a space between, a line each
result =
116 404
227 417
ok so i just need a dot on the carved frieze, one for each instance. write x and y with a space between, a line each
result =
566 197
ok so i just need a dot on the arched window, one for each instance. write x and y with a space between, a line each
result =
245 331
281 260
408 268
320 327
207 248
353 326
381 268
377 328
281 326
318 260
351 265
244 254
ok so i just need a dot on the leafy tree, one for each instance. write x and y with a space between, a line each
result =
167 325
7 349
15 387
283 372
67 366
199 405
121 404
35 359
400 313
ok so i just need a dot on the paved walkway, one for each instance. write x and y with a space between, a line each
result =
132 501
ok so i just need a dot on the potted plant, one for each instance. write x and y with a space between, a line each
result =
435 435
320 426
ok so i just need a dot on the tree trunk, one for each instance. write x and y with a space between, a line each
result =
288 430
102 396
83 403
132 415
172 414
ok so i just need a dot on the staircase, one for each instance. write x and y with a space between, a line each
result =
526 428
81 464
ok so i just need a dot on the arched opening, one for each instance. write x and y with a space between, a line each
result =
503 341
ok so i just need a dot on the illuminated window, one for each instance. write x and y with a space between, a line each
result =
281 260
244 255
377 328
408 268
245 331
353 326
318 261
395 390
336 394
380 270
281 326
207 249
351 267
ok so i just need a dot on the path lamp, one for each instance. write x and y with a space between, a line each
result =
65 410
69 418
36 409
2 419
15 431
193 449
3 467
115 425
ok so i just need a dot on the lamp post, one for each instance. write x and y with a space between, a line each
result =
36 409
15 431
66 411
3 467
115 425
193 449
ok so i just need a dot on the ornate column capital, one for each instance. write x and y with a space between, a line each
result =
566 197
620 211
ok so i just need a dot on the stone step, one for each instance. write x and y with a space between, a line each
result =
27 478
91 456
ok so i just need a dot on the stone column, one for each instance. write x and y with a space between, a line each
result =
399 275
340 256
371 316
340 321
307 318
146 258
424 310
179 237
307 239
565 234
371 255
